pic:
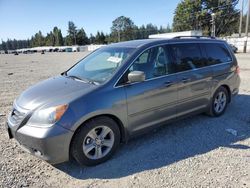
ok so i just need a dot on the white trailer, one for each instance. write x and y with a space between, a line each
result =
176 34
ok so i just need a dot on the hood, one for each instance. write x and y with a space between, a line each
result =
51 90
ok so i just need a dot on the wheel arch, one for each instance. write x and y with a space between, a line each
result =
226 86
123 132
228 90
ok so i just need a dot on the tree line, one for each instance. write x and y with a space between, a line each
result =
197 15
123 28
188 15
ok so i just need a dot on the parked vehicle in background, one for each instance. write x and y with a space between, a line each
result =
68 50
56 50
61 50
120 91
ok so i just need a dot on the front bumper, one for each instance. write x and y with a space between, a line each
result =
50 144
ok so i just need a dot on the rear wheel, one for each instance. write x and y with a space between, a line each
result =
219 102
96 141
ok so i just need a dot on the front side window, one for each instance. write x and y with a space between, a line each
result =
153 62
217 53
187 56
101 65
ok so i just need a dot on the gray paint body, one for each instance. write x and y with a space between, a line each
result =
137 106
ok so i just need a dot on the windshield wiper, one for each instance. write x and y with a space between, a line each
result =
82 79
75 77
93 82
90 81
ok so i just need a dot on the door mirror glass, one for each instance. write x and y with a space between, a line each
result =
136 76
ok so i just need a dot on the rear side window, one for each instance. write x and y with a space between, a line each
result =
187 56
217 53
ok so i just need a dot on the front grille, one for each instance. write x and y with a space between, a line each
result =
16 117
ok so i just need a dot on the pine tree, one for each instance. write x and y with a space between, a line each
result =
122 29
58 37
72 32
81 37
91 39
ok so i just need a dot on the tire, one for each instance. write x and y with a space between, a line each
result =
219 102
95 141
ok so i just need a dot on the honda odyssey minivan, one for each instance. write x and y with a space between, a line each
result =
120 91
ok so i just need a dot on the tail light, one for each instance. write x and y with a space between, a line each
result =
237 70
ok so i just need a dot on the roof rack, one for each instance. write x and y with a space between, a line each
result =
198 37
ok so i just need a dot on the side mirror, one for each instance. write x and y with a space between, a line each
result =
136 76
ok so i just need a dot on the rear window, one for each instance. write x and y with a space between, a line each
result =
187 56
217 53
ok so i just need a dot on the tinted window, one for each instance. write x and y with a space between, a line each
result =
153 62
217 53
187 56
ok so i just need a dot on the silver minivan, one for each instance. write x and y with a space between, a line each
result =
120 91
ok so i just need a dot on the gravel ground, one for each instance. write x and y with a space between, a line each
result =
198 151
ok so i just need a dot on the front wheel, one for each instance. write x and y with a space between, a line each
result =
96 141
219 102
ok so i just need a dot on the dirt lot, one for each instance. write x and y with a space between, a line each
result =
196 152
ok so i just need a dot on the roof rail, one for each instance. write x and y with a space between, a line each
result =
198 37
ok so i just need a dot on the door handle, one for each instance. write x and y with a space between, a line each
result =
185 80
168 83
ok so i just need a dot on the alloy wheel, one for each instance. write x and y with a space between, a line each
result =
220 102
98 142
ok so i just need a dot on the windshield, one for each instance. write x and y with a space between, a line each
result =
100 65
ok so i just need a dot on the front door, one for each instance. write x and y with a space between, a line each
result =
154 100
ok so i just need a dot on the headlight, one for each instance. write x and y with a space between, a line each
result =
47 117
